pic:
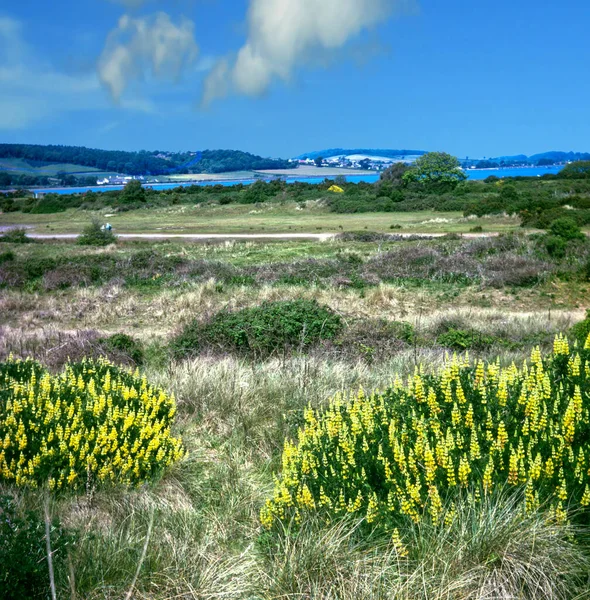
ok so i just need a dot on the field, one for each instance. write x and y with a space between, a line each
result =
267 218
195 531
370 417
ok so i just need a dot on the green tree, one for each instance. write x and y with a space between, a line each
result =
435 168
133 192
319 161
394 174
576 170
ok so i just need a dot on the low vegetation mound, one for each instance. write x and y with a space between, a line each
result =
17 235
92 424
413 451
96 235
261 331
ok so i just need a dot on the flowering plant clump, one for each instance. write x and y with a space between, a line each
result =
94 423
417 447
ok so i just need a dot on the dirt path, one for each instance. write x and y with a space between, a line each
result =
200 237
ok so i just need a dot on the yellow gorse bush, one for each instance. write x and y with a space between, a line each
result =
411 451
92 424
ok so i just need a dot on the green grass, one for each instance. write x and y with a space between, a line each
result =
266 218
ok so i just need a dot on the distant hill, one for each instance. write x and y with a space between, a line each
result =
362 151
139 163
560 156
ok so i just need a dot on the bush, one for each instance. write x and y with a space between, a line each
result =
125 344
463 339
90 425
23 556
465 431
16 236
555 245
95 235
581 330
567 229
7 256
261 331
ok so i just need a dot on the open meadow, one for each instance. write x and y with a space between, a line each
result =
368 417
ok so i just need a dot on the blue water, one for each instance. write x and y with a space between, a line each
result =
475 174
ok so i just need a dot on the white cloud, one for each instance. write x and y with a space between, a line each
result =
33 91
146 45
283 34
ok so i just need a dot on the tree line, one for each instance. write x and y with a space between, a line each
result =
143 162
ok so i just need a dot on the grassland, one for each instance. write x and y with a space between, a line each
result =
266 218
198 526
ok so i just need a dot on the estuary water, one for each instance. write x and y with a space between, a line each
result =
475 174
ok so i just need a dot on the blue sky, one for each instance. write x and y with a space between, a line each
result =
282 77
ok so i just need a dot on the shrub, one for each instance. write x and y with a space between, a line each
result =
555 245
24 574
92 424
263 330
16 236
581 330
567 229
7 256
95 235
465 339
463 432
476 229
125 344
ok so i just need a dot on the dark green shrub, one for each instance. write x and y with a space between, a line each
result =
465 339
7 256
581 330
271 328
121 342
24 573
16 236
509 194
566 229
476 229
556 246
587 270
37 266
94 235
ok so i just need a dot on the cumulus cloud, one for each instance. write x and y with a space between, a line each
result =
142 45
282 34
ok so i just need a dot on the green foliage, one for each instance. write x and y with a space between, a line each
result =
577 170
133 193
394 174
95 235
121 342
7 256
142 162
555 245
567 229
24 574
261 331
508 193
435 168
16 236
465 339
580 331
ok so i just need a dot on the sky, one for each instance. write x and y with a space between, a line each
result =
284 77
